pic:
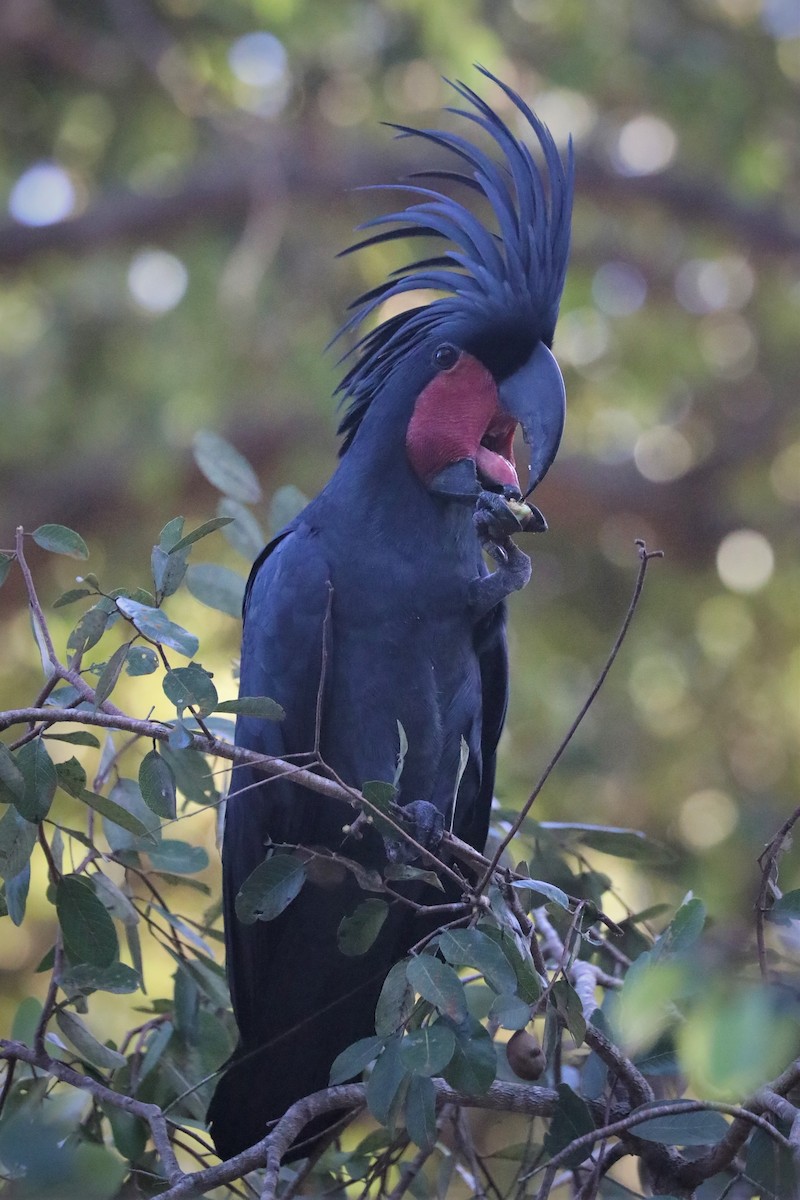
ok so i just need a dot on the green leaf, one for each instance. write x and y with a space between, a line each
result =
155 1050
401 871
142 660
428 1050
5 566
90 627
157 785
16 894
110 674
17 839
472 948
226 468
420 1112
474 1063
216 587
192 774
571 1120
71 596
71 777
200 532
542 892
510 1012
171 533
118 815
60 540
244 533
785 909
381 794
168 570
566 1000
181 858
285 505
683 1129
78 738
352 1061
682 932
89 933
119 979
439 985
771 1167
385 1083
357 933
270 888
153 624
253 706
395 1002
191 686
529 987
87 1044
12 783
39 772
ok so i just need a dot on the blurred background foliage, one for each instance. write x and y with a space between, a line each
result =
176 177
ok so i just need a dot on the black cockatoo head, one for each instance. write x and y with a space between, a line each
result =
478 357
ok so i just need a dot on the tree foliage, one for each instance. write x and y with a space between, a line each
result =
175 193
626 1046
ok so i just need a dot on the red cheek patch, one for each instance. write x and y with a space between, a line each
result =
452 415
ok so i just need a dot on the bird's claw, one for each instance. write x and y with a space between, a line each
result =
425 824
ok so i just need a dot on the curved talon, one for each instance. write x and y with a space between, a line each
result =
426 827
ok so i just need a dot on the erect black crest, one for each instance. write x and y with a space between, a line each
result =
508 279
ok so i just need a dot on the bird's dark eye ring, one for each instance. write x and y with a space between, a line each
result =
445 356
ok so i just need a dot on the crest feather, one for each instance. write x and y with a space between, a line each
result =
514 273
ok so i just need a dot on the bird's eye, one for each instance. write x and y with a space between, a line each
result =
445 356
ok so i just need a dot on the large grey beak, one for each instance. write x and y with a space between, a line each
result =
534 395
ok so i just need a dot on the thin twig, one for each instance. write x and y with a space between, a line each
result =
645 557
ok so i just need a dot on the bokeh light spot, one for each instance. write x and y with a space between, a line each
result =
662 454
745 561
42 195
646 145
707 818
619 289
157 280
724 628
258 59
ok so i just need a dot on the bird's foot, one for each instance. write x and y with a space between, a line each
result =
495 520
425 823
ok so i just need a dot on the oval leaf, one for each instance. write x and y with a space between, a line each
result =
179 858
191 686
357 932
571 1120
270 889
253 706
61 540
142 660
245 533
216 587
427 1051
201 532
510 1012
89 933
472 948
226 468
385 1083
17 839
474 1063
110 674
87 1044
395 1002
153 624
157 784
12 784
352 1061
420 1112
684 1129
438 984
39 772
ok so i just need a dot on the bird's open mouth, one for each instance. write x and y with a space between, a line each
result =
495 457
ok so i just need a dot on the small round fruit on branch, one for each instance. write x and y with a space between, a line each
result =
529 517
525 1055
